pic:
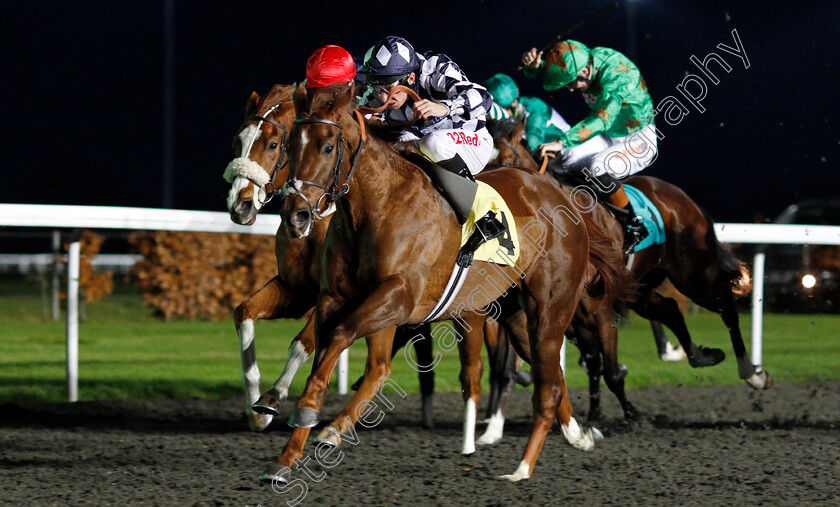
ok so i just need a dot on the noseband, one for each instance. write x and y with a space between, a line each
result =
333 190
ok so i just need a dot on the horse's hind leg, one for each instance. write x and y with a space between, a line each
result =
653 306
614 373
721 300
424 348
666 349
503 371
590 350
470 329
267 303
547 323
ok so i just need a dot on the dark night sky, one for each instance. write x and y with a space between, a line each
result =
83 105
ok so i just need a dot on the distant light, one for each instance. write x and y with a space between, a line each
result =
808 281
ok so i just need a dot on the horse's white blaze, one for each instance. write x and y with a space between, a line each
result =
233 195
303 140
494 430
523 471
297 356
469 428
672 353
249 136
578 438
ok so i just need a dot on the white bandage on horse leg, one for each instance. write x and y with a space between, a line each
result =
250 371
578 438
469 428
495 428
297 356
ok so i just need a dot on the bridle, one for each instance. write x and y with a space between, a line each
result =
515 154
269 189
333 189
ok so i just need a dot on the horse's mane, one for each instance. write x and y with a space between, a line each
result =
503 128
278 93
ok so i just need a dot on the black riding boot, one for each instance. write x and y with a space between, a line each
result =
634 229
487 228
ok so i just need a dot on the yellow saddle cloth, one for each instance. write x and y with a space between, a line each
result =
505 248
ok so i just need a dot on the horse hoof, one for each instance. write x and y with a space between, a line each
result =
266 406
486 439
329 436
276 473
581 437
760 380
706 357
303 418
258 422
523 472
630 412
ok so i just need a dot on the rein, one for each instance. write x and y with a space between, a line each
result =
399 88
332 189
515 154
545 161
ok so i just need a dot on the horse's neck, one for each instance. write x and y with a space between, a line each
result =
385 180
526 159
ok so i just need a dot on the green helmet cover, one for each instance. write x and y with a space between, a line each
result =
503 89
563 63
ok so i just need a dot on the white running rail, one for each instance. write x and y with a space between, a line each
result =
107 217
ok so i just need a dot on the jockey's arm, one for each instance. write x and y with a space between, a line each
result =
539 131
466 100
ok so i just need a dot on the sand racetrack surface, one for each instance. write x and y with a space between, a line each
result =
718 445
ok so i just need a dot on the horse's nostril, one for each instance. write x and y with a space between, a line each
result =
300 218
244 207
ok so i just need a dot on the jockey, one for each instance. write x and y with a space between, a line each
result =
542 124
621 109
451 131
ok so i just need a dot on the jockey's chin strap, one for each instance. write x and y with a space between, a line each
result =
269 189
333 190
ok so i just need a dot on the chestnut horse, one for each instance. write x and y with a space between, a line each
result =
691 258
255 175
391 248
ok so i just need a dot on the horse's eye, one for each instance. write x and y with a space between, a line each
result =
272 146
328 148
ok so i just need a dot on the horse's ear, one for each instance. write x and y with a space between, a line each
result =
345 98
251 105
299 97
332 99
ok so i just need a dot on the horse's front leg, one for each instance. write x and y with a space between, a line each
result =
377 369
267 303
299 351
387 306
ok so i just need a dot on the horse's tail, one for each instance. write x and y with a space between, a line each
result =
613 280
736 272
